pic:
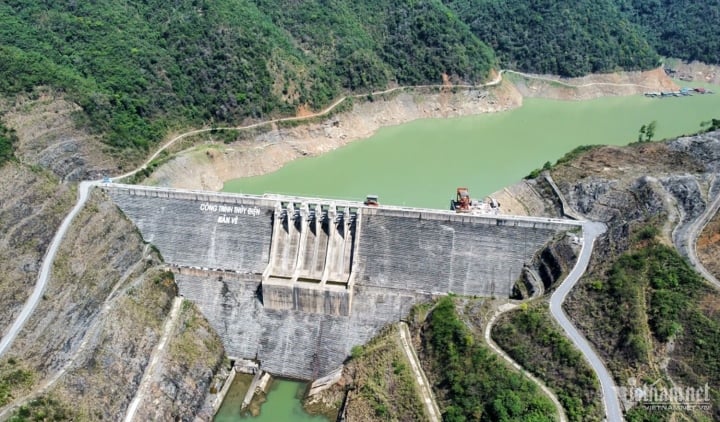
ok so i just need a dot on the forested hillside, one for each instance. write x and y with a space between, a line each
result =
139 67
368 44
683 29
565 37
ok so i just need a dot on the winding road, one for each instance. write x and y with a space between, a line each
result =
591 231
487 334
689 242
32 301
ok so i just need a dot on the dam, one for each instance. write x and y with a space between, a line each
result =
296 282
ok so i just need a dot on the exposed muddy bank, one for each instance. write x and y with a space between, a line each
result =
208 166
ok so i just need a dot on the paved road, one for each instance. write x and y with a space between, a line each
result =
591 231
433 411
32 301
488 339
689 241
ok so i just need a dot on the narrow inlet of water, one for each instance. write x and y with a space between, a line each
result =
283 403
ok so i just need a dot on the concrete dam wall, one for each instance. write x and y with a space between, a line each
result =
192 229
297 282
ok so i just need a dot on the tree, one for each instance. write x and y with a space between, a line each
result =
647 132
650 131
712 125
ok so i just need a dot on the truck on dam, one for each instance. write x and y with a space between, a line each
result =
463 203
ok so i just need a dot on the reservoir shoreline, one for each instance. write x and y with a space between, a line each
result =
207 166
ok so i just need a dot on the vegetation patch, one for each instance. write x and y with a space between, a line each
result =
194 342
44 408
654 320
710 126
470 381
678 28
384 386
14 378
7 141
568 38
530 337
568 157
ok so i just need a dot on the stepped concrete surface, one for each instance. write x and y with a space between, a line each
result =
295 283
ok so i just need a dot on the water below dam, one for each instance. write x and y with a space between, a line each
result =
283 404
422 162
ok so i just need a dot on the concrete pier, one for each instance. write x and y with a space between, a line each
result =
341 245
285 241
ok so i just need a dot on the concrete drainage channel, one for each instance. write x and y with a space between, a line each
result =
433 411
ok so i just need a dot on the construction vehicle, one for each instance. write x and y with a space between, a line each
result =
462 201
372 201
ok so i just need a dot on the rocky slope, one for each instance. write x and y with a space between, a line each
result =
50 137
643 192
185 372
90 338
708 246
83 351
32 206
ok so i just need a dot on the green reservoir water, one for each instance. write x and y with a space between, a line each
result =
283 404
421 163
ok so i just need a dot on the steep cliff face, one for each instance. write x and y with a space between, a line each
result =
51 137
195 353
549 266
